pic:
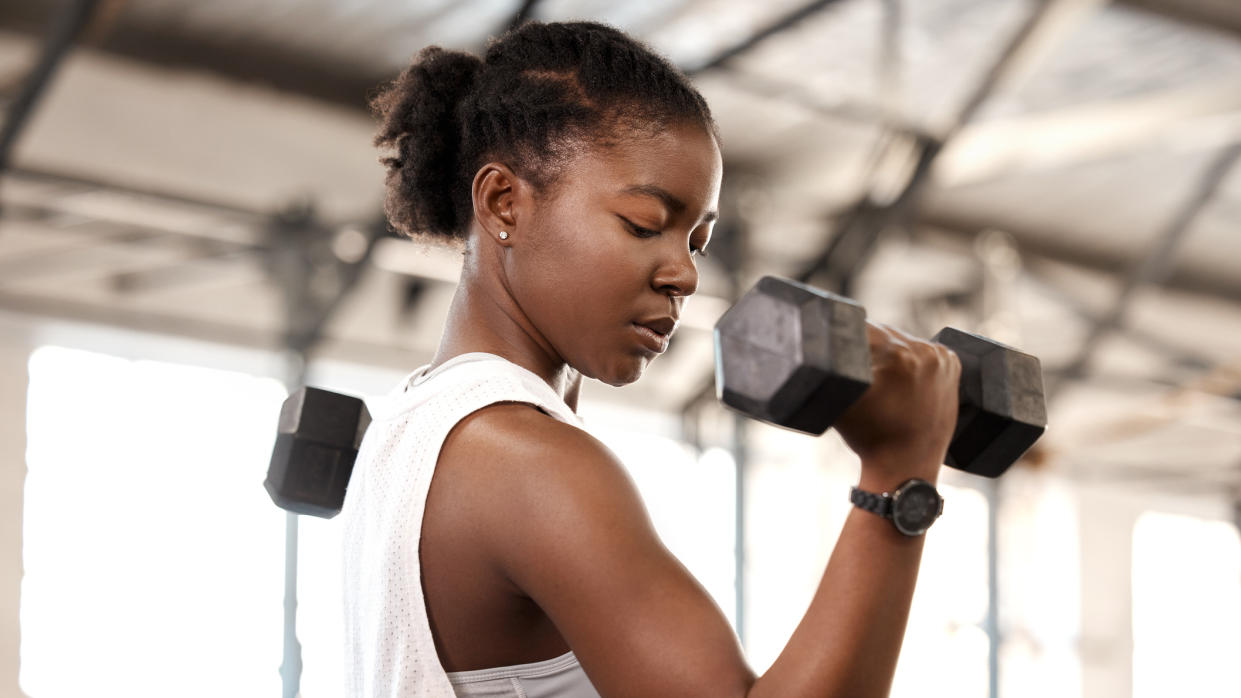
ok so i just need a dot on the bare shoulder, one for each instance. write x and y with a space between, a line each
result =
509 429
520 463
561 520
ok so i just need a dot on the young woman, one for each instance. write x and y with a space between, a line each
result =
495 548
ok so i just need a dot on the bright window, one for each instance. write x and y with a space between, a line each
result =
1186 606
798 500
690 498
946 648
153 557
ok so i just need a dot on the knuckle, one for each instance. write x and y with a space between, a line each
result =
905 357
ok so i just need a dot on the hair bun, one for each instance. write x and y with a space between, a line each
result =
544 93
419 120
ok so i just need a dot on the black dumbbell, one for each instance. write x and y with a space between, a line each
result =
797 357
316 445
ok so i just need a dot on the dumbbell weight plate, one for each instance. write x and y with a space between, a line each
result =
792 355
1002 407
316 445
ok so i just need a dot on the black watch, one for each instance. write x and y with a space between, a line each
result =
913 507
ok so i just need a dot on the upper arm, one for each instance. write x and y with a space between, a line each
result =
565 523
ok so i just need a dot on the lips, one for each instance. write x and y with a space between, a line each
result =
656 332
661 325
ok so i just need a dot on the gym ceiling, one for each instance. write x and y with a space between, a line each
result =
1061 175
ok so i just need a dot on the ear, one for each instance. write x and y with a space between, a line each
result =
500 199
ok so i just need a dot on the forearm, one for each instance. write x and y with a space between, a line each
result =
848 642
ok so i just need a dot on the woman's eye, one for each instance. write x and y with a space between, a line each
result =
639 230
649 233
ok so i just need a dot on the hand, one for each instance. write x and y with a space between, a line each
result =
902 424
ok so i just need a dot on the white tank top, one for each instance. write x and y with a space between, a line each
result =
389 650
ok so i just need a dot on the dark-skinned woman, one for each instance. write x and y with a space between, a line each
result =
492 546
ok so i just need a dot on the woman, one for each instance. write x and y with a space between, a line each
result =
493 546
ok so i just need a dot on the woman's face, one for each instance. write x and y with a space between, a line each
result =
604 265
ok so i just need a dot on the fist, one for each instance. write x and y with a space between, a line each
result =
902 424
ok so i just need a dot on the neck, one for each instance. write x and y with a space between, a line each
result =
484 317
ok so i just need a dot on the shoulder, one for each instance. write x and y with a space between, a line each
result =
527 455
524 478
513 440
515 432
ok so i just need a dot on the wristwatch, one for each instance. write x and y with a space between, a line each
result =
913 507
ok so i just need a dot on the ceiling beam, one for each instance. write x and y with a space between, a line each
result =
1211 15
326 78
858 230
965 226
779 25
393 356
523 14
65 27
1185 357
1203 116
1155 266
70 181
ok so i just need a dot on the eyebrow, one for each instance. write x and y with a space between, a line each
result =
671 202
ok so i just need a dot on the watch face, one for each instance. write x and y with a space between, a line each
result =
915 507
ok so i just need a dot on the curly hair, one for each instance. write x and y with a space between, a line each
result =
540 94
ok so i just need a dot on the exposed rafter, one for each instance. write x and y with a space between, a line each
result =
524 13
1060 248
1090 132
299 72
65 28
781 24
858 230
1215 15
1157 264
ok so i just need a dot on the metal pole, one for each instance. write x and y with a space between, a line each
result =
299 249
291 665
740 459
991 490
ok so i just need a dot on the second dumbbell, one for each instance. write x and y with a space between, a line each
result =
796 356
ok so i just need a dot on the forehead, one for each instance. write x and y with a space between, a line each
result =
683 160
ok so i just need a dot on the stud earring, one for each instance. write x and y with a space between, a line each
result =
503 235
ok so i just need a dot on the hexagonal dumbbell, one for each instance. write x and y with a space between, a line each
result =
316 444
797 357
792 355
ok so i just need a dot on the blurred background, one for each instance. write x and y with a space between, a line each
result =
190 221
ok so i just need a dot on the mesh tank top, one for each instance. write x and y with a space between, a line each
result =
389 650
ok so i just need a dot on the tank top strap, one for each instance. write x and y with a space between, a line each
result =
469 382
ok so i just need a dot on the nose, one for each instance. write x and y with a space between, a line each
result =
677 274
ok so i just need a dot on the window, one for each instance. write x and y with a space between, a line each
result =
153 557
1186 606
690 498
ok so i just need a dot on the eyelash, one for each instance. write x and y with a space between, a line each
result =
648 233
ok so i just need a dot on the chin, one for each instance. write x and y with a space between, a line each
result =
625 373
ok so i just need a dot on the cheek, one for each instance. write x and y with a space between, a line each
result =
583 260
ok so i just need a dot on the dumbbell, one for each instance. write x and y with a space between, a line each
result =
797 357
316 445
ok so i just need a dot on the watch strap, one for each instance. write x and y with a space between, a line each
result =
880 504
